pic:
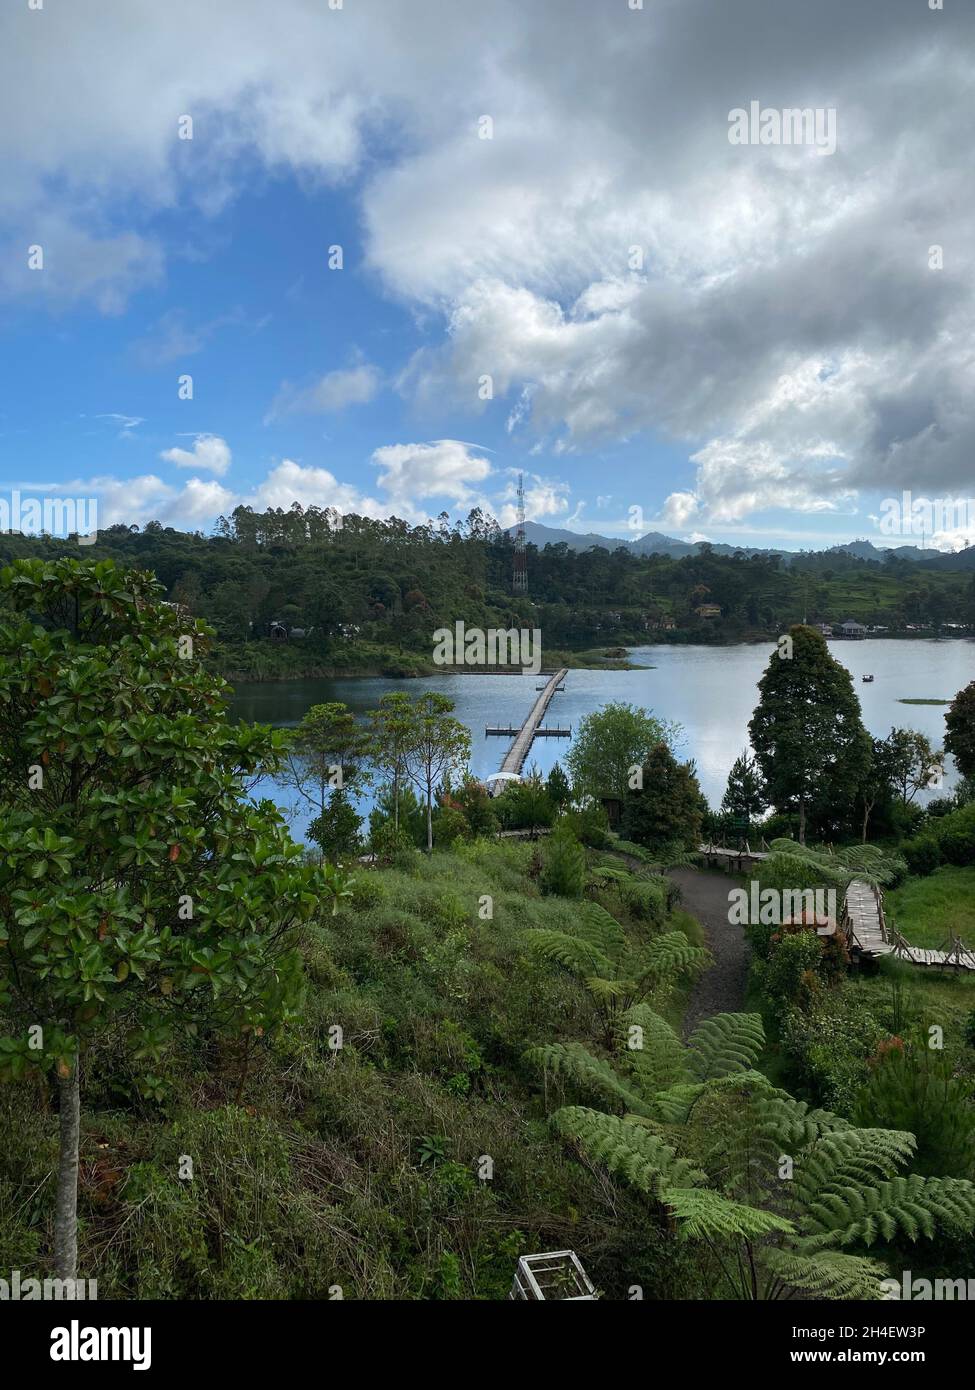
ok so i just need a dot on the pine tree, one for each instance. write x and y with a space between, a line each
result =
808 737
745 797
557 786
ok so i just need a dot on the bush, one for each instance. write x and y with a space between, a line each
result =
913 1088
590 825
791 977
563 865
830 1045
923 855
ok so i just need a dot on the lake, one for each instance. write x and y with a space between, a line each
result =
710 691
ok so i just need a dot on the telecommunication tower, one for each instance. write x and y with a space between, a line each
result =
519 579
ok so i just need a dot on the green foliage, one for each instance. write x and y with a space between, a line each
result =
609 742
913 1087
666 809
558 788
960 723
137 888
563 865
336 830
745 797
712 1155
617 972
807 734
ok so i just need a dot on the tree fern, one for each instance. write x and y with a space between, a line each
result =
725 1043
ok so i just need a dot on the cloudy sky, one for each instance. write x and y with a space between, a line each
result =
551 257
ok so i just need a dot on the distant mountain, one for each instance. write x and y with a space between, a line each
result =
656 543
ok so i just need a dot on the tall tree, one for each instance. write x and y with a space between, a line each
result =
960 722
665 809
392 733
440 745
807 733
138 890
610 743
326 752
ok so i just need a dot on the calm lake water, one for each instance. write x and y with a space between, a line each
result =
710 691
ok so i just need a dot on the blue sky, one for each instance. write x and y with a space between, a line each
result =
743 344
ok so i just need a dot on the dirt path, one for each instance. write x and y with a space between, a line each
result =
722 988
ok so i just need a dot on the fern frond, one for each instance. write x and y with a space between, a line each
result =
572 952
667 955
632 1151
724 1044
660 1059
703 1213
601 929
572 1061
830 1274
911 1205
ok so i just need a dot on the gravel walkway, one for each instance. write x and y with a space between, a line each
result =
704 894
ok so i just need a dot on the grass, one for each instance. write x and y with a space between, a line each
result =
930 911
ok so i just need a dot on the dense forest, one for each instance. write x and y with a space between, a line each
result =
354 594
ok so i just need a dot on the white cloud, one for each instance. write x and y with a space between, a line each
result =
444 469
334 391
209 451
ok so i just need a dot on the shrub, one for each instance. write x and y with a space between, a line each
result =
829 1046
923 855
791 974
913 1088
590 825
563 865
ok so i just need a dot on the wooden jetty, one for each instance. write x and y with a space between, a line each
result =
524 737
869 934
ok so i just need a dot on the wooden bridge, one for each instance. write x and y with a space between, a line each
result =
868 932
524 737
721 854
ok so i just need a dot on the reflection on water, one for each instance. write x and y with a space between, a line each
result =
710 691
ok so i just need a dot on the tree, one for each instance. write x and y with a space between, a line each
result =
807 734
139 893
558 788
392 732
910 763
745 797
666 808
324 754
336 829
609 744
960 738
779 1194
438 746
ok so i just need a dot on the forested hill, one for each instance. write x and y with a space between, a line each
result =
368 594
